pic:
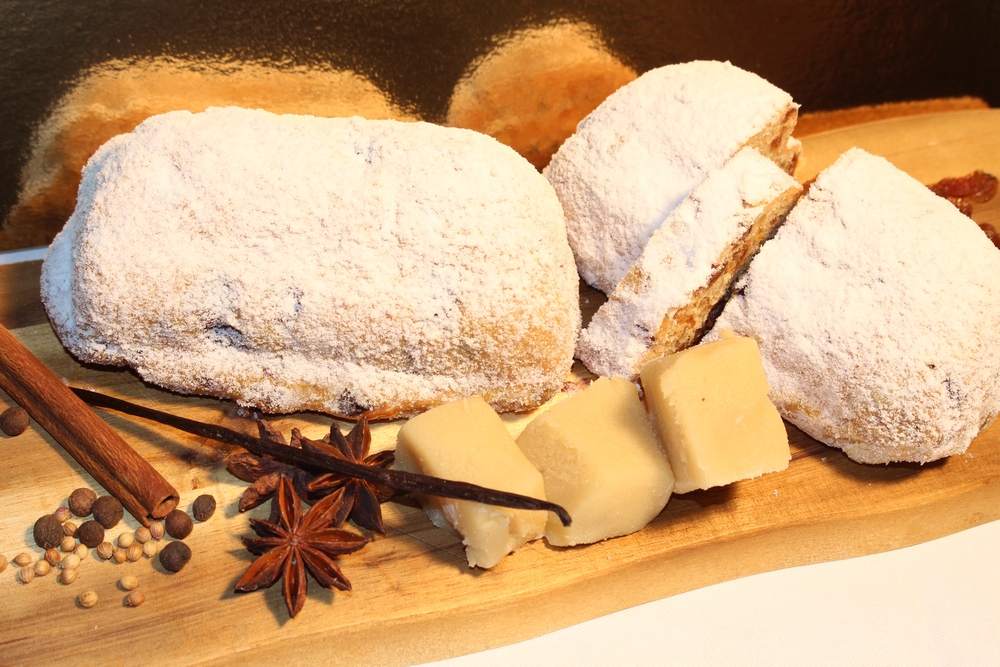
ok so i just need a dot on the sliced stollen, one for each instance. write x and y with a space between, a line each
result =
877 310
300 263
664 301
640 153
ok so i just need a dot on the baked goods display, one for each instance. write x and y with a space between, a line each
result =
663 302
876 308
639 154
298 263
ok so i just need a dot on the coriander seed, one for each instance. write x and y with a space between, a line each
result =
3 562
134 552
26 574
53 556
118 555
69 529
125 540
42 568
135 598
108 511
68 576
63 514
105 550
22 559
142 535
175 556
81 501
87 599
204 507
48 531
178 524
90 533
149 549
128 583
82 551
68 544
156 530
70 562
14 420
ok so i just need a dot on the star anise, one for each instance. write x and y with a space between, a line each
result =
362 498
298 543
264 473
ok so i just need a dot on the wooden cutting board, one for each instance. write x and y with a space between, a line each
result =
414 598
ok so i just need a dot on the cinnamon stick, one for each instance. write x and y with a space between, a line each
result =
88 439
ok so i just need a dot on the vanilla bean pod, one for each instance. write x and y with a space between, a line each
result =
406 482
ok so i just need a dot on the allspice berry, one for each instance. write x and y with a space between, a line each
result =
175 556
204 507
48 531
81 501
108 511
14 421
87 599
178 524
90 533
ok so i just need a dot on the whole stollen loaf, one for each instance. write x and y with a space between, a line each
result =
299 263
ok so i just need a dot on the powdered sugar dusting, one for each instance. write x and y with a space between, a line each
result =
292 262
876 308
680 259
639 154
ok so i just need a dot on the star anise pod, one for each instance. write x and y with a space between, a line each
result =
264 473
298 543
363 499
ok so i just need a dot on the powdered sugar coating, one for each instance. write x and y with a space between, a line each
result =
341 265
877 311
681 258
639 154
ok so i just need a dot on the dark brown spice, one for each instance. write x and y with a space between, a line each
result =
108 511
203 507
398 480
81 501
175 556
48 532
298 543
178 524
263 472
14 420
90 533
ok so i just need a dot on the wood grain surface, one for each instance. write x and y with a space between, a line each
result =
414 597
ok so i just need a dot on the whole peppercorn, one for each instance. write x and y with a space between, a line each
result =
81 501
48 531
90 533
53 556
175 556
178 524
68 544
87 599
204 507
105 550
63 514
14 421
156 530
135 598
108 511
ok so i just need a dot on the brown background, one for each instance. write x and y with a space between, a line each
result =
829 54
